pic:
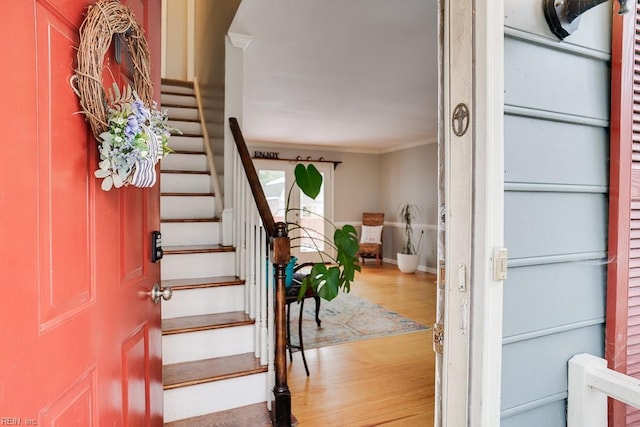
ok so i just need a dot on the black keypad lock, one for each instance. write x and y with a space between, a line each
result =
156 246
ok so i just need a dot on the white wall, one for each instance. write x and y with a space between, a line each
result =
356 179
212 20
176 47
381 183
410 176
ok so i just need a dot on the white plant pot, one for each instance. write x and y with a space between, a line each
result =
407 263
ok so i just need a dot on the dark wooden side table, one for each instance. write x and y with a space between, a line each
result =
292 297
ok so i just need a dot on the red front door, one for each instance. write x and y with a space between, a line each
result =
79 340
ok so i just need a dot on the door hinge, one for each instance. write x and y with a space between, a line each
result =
438 337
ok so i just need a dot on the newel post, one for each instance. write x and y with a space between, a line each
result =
280 254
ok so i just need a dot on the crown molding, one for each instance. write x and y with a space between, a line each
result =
240 41
341 149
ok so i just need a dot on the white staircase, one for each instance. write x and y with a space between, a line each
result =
209 355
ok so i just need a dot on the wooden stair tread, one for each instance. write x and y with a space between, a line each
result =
197 249
171 91
256 415
174 220
172 105
202 282
195 153
188 194
175 171
180 107
184 120
176 82
187 136
205 322
208 370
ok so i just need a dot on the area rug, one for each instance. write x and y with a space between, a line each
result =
345 319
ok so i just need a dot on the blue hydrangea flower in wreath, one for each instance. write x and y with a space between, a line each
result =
136 138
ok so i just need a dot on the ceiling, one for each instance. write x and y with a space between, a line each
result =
357 75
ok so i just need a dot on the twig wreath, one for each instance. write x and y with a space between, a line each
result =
132 133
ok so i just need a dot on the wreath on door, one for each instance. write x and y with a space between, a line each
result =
131 131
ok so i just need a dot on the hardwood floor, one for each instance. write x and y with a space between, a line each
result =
377 382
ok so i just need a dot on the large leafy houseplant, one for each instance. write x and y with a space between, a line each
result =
407 258
407 215
335 272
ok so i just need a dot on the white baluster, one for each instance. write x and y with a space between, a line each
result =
239 184
242 205
249 207
261 271
254 283
270 289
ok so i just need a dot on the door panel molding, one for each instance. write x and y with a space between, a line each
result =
63 188
75 406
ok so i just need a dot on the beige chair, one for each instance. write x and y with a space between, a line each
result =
371 236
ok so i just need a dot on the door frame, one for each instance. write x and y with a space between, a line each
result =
472 203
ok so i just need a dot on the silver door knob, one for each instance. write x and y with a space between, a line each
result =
157 292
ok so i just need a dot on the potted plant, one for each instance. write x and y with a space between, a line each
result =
408 256
336 272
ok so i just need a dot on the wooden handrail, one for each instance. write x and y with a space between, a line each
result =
280 253
252 177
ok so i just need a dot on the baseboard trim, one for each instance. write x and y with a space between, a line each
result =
422 268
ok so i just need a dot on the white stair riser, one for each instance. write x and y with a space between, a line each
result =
185 183
188 128
191 266
185 162
186 143
186 402
180 113
190 233
177 89
194 302
187 207
179 100
222 342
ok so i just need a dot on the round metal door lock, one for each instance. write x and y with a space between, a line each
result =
157 292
